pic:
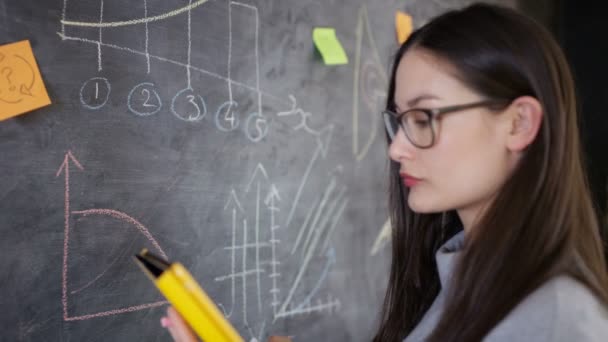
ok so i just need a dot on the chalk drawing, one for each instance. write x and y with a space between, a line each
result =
146 19
101 90
143 100
372 90
65 169
188 106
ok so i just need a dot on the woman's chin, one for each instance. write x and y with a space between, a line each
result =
422 206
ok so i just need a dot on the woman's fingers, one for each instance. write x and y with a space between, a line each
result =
172 331
165 322
181 331
178 328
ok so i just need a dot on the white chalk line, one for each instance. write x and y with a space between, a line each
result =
304 225
147 34
134 21
189 44
100 41
163 59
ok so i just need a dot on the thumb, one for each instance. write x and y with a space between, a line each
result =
179 329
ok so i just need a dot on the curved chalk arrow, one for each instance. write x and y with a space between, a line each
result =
27 90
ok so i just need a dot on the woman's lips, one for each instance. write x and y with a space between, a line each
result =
408 180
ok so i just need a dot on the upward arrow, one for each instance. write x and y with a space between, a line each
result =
65 166
272 196
66 161
235 199
324 139
259 170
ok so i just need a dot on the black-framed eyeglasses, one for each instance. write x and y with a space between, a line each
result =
419 123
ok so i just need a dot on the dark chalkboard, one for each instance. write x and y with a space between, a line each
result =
209 132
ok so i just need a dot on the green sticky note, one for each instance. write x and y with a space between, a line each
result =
329 46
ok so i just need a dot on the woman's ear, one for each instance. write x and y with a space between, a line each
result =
525 116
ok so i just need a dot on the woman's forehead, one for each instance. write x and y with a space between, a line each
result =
422 76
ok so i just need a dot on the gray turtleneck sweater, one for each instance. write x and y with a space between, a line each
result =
562 309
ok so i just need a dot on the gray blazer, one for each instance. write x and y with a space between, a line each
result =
562 309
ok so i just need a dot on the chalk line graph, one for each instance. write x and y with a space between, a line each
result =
327 210
186 104
64 168
266 198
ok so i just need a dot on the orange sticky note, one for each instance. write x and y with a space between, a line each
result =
21 86
403 26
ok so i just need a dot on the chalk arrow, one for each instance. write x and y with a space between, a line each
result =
324 139
272 196
234 200
259 172
25 90
66 161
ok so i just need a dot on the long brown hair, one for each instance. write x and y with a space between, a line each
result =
541 222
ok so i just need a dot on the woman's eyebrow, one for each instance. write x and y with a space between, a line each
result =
411 103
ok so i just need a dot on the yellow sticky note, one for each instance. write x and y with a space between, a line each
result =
403 26
329 46
21 86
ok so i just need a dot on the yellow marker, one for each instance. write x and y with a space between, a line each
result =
329 46
21 86
403 26
188 298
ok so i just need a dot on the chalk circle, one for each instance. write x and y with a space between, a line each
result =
143 100
260 124
226 119
188 106
100 88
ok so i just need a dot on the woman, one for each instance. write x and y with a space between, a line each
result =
486 156
494 233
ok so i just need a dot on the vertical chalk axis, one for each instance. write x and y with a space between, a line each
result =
100 35
65 5
66 239
257 60
244 274
257 246
229 50
233 262
270 202
189 42
147 33
65 167
257 55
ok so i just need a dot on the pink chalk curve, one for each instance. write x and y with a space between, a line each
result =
124 217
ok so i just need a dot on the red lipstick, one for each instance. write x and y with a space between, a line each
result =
408 180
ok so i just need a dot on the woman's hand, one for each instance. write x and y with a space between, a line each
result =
181 332
178 328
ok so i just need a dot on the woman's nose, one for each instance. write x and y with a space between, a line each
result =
400 148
